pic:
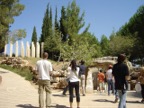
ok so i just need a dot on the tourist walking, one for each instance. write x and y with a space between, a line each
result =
101 81
141 80
110 80
121 74
74 83
44 69
82 73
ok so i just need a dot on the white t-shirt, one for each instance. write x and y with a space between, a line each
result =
72 76
44 67
109 74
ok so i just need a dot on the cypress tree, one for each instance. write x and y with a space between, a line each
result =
56 22
34 36
63 26
46 26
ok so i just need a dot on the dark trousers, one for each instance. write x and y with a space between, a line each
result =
73 85
65 89
142 91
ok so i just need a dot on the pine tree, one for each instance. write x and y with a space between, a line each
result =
74 21
8 10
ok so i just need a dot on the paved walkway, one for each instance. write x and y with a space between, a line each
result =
16 92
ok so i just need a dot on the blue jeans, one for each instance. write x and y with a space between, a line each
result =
122 97
110 86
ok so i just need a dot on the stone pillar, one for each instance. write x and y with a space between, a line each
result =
37 50
11 49
16 49
27 49
89 82
5 49
32 50
42 49
22 49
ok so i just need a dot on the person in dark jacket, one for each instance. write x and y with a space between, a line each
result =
120 72
82 76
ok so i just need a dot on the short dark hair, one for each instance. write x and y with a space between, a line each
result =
100 70
82 62
45 55
121 57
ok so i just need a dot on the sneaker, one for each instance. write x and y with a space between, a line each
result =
116 100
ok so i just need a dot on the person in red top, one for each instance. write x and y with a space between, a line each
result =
101 78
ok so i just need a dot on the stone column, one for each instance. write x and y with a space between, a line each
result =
89 82
11 49
16 49
27 49
32 50
5 49
22 49
37 50
42 49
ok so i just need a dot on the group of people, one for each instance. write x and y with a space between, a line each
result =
119 73
76 74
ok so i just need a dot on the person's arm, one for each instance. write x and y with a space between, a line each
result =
51 69
127 77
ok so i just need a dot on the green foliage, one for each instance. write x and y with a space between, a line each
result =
56 22
135 28
80 49
24 72
104 45
63 28
72 21
8 10
15 35
34 36
47 24
120 44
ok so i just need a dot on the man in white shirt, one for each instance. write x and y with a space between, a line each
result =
110 80
44 69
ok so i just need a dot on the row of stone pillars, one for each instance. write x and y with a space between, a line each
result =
31 50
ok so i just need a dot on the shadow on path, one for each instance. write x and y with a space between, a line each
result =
103 100
59 95
30 106
134 102
61 106
26 106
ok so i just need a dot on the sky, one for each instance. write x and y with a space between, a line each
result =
104 16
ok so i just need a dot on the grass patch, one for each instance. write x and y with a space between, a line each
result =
24 72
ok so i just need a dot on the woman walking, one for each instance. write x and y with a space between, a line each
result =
74 83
